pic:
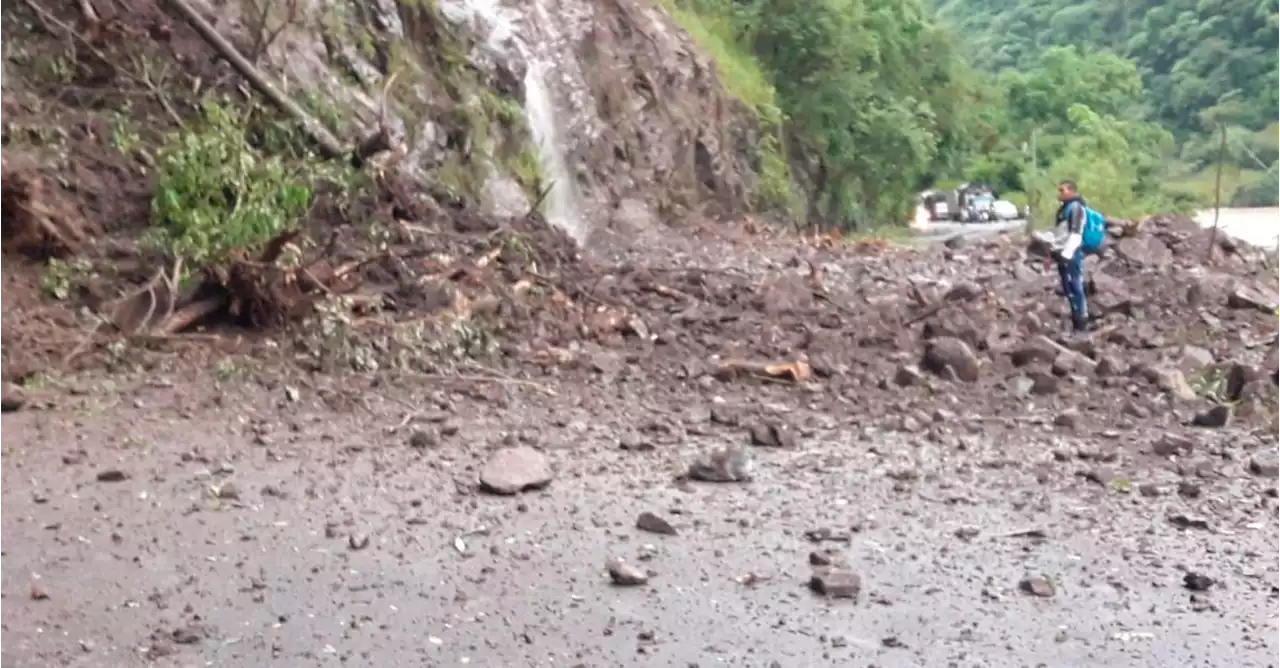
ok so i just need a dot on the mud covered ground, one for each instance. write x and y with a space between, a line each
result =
988 496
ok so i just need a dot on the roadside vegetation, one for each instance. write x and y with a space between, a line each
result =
879 99
1204 67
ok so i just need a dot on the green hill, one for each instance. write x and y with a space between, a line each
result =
1200 64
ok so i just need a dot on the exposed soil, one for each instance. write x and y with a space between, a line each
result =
292 481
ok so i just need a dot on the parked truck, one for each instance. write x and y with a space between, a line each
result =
974 203
968 203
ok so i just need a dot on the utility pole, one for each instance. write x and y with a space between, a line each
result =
1033 196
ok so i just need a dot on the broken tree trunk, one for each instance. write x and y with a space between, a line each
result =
329 144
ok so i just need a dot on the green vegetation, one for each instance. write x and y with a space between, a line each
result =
877 99
233 181
867 90
1077 116
1187 66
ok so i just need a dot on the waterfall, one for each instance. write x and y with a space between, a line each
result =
500 30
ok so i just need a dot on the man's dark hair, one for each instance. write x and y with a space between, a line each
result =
1070 184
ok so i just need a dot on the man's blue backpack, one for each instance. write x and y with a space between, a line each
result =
1094 233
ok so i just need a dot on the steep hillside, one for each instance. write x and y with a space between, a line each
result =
1200 64
134 144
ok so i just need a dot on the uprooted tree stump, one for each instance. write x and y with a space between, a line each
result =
35 223
256 292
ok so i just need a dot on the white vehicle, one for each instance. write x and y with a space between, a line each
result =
1004 210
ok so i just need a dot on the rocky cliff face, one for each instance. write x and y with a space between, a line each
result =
586 108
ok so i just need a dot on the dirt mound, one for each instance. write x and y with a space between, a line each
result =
973 329
34 223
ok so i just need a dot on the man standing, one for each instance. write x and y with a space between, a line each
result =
1068 253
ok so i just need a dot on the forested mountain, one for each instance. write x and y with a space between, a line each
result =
1201 63
863 102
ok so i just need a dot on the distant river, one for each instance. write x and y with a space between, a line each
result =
1260 227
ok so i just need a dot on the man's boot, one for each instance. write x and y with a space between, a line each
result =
1079 323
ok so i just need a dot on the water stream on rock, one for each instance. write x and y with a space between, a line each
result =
500 31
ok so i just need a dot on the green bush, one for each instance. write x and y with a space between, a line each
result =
216 194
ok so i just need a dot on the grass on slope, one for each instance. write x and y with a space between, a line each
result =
743 77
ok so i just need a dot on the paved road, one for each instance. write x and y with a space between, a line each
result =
934 232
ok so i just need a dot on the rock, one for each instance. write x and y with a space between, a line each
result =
728 464
514 470
1068 419
1150 490
1037 350
954 325
1069 363
1189 522
1108 366
907 375
623 574
1194 358
721 414
1236 378
228 491
424 439
1043 384
1097 454
12 401
188 635
835 582
824 558
1101 475
772 435
1101 283
358 541
1170 381
112 475
1265 465
1019 386
824 534
964 291
1213 418
1244 297
946 356
1172 444
633 442
650 522
909 424
1037 586
1039 246
1188 489
1197 581
1149 251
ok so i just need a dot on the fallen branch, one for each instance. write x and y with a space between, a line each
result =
189 315
88 12
329 145
533 208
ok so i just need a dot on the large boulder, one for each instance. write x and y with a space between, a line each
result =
951 359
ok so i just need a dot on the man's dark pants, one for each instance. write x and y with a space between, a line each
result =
1072 274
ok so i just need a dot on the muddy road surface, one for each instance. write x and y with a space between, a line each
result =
1045 511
